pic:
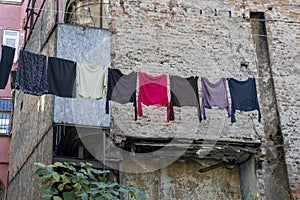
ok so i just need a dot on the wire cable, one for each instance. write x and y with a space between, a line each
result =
109 17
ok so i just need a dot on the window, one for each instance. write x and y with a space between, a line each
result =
11 1
11 38
5 111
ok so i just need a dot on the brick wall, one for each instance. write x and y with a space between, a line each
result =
185 39
210 38
284 43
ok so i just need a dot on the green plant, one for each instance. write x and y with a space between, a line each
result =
66 181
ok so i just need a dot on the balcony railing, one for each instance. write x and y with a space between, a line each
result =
70 14
33 11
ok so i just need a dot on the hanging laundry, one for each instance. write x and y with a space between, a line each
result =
243 96
91 81
152 91
61 77
214 95
184 92
7 59
32 73
121 88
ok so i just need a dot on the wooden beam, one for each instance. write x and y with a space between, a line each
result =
96 164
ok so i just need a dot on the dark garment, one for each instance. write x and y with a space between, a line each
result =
184 92
121 88
61 77
214 95
7 59
13 76
32 73
243 96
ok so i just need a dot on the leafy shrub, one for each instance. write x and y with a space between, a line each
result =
66 181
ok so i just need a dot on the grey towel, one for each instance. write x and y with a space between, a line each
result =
184 92
121 88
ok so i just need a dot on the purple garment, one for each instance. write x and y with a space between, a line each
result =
214 95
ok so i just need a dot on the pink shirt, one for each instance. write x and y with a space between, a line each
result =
152 91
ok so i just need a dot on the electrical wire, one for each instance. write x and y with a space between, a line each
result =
98 16
107 17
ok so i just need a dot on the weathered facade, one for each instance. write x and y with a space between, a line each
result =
11 34
245 160
181 180
210 39
36 134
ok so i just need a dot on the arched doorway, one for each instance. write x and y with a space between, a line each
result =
89 13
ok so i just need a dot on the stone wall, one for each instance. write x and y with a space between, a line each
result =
32 123
181 180
33 116
24 185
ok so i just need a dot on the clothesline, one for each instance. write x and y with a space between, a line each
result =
273 20
58 76
195 73
109 17
21 29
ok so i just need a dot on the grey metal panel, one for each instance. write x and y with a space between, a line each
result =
90 46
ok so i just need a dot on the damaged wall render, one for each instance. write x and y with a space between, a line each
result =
181 180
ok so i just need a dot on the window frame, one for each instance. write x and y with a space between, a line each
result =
5 123
12 1
16 38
